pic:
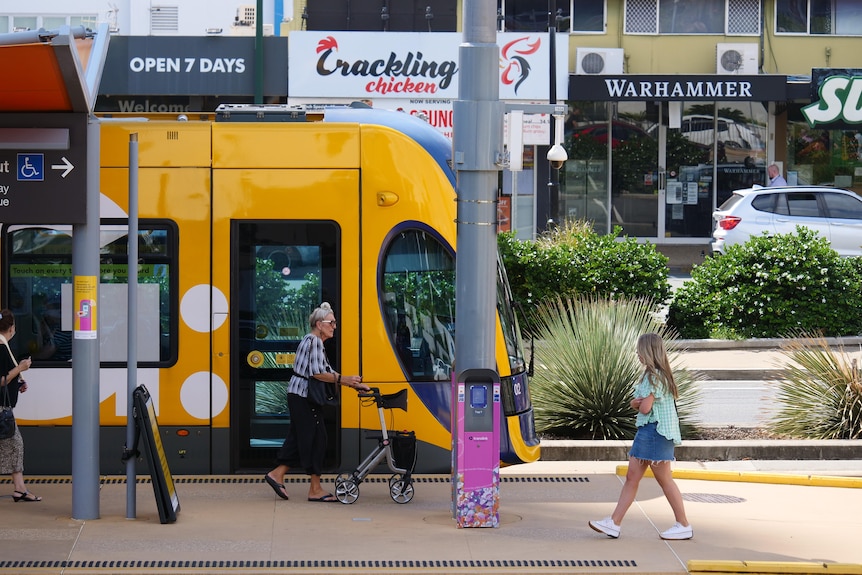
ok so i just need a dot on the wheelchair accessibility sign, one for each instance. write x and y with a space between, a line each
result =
31 167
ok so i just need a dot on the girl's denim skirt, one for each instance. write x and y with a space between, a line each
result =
650 446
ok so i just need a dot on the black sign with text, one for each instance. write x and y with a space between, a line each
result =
681 87
43 168
163 482
192 65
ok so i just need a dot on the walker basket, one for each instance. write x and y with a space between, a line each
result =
404 449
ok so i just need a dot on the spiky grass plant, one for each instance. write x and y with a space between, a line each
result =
587 367
819 393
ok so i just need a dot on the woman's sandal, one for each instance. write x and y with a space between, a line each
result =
276 486
24 496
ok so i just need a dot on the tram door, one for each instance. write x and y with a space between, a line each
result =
284 270
283 240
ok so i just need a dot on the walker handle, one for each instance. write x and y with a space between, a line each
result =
373 392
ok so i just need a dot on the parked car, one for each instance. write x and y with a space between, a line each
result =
834 213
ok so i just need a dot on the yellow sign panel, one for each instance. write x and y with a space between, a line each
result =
85 290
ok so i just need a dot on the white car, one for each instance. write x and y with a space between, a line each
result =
834 213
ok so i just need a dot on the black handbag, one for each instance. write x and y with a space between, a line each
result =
321 393
7 418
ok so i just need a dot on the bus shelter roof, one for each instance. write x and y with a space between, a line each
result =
51 71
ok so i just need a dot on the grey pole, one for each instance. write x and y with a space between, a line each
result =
258 53
85 348
478 152
132 359
553 174
42 35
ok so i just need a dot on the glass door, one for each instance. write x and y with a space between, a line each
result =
732 132
282 271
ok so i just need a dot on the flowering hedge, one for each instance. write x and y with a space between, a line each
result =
575 261
770 287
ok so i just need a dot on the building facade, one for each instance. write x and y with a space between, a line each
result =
671 105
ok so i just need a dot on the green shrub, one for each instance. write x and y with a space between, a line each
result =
586 367
768 287
819 392
573 260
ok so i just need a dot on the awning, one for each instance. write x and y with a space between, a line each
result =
51 71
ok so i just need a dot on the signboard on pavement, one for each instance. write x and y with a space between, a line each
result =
43 168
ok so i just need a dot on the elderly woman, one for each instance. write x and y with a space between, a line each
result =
305 445
11 384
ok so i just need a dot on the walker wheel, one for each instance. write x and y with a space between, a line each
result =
395 477
342 477
346 491
401 491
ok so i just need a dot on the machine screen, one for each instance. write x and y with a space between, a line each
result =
478 396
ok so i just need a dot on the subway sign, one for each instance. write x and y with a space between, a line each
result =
836 98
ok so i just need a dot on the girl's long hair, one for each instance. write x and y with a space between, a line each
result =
656 363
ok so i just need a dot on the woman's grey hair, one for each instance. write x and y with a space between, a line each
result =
319 314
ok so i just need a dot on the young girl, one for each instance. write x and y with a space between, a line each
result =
657 434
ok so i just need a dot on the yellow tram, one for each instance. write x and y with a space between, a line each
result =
247 221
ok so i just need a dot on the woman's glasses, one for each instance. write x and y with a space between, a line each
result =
332 321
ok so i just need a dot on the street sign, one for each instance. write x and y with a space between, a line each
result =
43 168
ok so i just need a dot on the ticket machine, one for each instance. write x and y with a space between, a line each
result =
476 448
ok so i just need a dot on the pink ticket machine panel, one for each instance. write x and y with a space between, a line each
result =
476 448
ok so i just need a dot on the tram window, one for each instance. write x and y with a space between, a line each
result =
508 321
287 288
418 287
39 276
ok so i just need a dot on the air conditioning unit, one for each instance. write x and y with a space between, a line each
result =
739 59
599 61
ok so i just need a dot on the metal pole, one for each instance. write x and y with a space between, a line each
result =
85 344
132 358
477 145
42 35
258 53
553 174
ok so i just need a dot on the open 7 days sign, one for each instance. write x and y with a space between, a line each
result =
836 97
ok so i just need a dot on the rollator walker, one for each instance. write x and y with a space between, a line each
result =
398 449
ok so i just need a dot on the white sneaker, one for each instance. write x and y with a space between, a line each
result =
607 526
678 531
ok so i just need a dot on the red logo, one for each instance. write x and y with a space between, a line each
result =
513 61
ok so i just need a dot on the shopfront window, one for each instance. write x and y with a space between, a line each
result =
584 177
816 156
736 135
623 173
614 140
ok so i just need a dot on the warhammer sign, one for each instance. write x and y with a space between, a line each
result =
637 87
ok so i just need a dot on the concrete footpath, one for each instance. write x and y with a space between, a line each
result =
753 359
748 520
784 515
